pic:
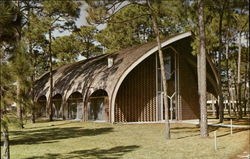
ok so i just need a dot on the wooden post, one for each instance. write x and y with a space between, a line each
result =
215 141
231 128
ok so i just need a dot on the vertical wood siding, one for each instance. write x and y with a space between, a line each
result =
188 91
136 98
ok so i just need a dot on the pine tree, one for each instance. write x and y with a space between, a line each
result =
54 18
9 23
65 49
5 83
85 36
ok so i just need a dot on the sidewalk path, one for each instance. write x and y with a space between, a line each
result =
213 124
243 155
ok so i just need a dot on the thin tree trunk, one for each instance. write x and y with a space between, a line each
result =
19 104
202 72
50 104
239 79
233 100
33 118
33 101
247 84
221 105
163 75
236 94
228 81
245 93
18 85
6 145
33 96
227 60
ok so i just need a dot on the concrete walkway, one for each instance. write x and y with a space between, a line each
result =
213 124
243 155
192 122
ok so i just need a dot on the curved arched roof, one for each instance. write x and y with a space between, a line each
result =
86 76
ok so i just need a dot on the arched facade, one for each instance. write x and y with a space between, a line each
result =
136 97
144 82
129 87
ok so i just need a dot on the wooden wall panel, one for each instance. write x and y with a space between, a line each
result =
136 98
188 91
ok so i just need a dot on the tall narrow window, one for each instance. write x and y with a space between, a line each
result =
167 65
169 58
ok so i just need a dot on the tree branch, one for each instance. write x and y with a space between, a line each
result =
107 19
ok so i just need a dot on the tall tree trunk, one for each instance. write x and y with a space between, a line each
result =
247 84
239 79
220 96
50 104
228 74
33 118
236 109
245 92
33 109
202 86
18 84
33 101
228 80
19 104
163 75
33 77
6 143
233 98
221 105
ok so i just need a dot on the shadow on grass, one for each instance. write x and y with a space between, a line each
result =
115 152
194 131
243 121
50 123
50 135
181 130
235 131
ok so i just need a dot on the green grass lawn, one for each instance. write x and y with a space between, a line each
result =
72 139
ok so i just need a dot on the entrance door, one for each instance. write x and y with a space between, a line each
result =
172 75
